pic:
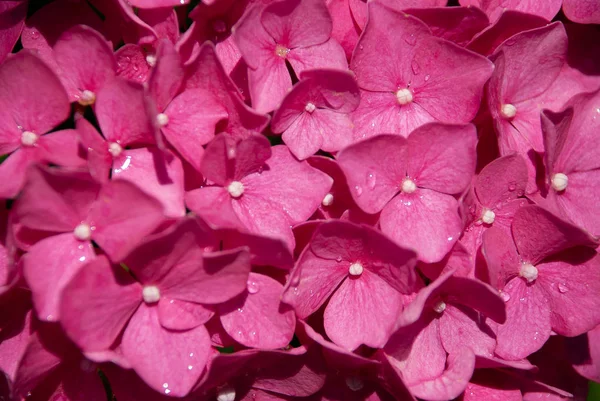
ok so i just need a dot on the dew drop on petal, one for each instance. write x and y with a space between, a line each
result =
416 68
241 310
371 180
505 296
562 288
358 190
252 287
427 77
338 259
165 385
411 39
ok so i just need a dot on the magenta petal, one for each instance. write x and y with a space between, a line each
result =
14 169
437 147
572 290
460 327
362 311
478 392
36 364
49 265
62 148
527 325
118 227
538 234
170 362
14 13
501 256
312 281
582 11
374 169
182 315
31 97
495 8
502 180
97 304
452 382
296 23
326 55
269 83
54 200
426 221
257 319
85 61
213 204
157 173
99 158
121 113
167 76
131 63
193 118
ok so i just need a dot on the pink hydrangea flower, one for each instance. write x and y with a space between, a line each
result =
409 77
363 277
494 8
315 113
400 177
542 293
286 31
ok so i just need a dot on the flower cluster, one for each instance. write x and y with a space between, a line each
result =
299 200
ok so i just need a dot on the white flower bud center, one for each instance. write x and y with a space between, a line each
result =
28 138
162 119
440 307
151 294
508 111
114 149
529 272
408 186
310 107
87 98
404 96
151 60
327 200
559 182
235 189
488 216
354 383
226 394
355 269
83 232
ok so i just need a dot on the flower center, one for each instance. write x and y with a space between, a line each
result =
151 60
151 294
408 186
488 216
440 307
226 394
404 96
310 107
28 138
87 98
355 269
162 119
354 383
83 232
559 182
281 51
508 111
114 149
529 272
327 200
235 189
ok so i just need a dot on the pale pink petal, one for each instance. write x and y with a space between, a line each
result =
97 304
49 266
527 324
374 169
426 221
170 362
433 148
159 174
85 61
572 290
297 23
257 318
117 227
362 311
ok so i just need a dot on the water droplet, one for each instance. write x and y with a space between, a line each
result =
253 333
358 190
191 354
34 34
523 299
510 42
338 259
167 391
562 288
190 367
252 287
512 187
410 39
450 238
371 180
416 68
505 296
296 290
165 385
241 310
427 77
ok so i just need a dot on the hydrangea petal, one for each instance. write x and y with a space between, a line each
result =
14 13
174 314
582 11
460 327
